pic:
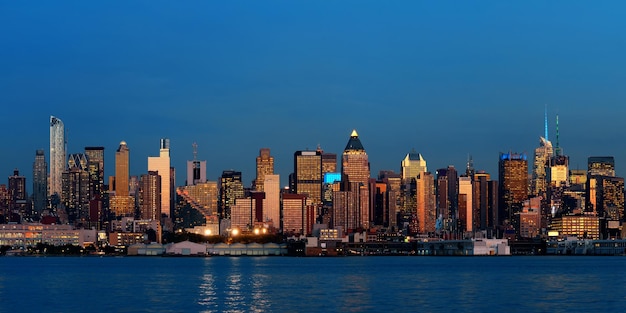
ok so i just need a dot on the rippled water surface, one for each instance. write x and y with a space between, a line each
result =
285 284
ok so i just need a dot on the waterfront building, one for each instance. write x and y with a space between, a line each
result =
231 188
40 182
298 214
241 213
150 196
308 175
161 164
513 186
540 163
355 167
57 154
30 234
581 226
264 166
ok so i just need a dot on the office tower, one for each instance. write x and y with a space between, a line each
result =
559 171
57 154
203 197
241 213
122 204
271 205
607 198
329 162
150 196
264 166
196 170
295 217
513 187
355 167
601 166
577 177
425 202
380 202
308 175
231 188
95 167
394 196
17 193
485 201
161 164
466 204
40 182
540 163
412 165
447 194
75 189
530 218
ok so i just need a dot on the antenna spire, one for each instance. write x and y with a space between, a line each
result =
195 151
545 122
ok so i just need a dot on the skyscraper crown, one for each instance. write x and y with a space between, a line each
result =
354 144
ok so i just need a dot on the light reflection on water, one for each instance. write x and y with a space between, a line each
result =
283 284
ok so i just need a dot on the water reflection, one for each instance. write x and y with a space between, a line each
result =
234 285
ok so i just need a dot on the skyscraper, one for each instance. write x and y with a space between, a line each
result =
425 201
513 188
57 154
271 205
75 191
308 175
264 166
150 196
17 194
601 166
161 164
122 204
40 182
543 153
466 204
412 165
355 167
196 170
231 188
95 167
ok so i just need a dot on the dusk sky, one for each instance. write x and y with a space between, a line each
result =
448 78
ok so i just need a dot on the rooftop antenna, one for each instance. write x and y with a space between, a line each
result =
557 150
195 150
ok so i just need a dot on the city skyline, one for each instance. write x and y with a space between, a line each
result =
444 80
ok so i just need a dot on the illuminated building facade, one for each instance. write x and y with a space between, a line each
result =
513 188
241 213
264 166
559 171
95 167
57 154
412 165
355 167
161 164
40 182
485 201
308 175
295 219
231 188
75 189
601 166
580 226
540 163
466 204
150 196
426 202
122 204
530 218
271 205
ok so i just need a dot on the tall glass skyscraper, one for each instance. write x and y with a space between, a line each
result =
57 154
40 182
161 164
356 167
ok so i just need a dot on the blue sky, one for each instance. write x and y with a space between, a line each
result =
447 78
